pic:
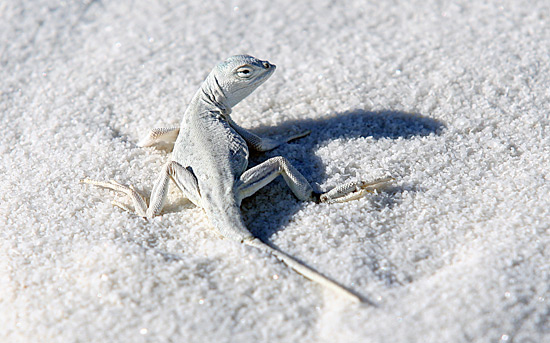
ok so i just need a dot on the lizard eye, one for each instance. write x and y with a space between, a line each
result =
244 72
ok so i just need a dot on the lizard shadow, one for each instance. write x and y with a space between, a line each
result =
272 207
267 211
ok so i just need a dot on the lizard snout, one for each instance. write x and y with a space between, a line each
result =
268 65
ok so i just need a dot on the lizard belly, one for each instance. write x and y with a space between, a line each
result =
214 151
211 145
217 156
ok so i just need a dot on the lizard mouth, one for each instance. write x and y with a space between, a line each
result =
267 73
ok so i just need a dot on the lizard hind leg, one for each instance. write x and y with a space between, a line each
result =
353 190
259 176
184 179
140 205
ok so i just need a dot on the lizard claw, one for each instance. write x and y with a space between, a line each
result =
375 185
140 205
353 190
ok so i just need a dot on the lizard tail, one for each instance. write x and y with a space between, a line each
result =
306 271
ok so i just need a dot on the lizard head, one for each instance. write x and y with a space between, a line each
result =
240 75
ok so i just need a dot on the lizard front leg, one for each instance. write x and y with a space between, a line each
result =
262 143
184 179
160 134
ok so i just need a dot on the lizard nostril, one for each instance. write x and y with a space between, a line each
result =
266 65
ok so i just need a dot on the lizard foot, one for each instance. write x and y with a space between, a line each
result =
140 205
352 190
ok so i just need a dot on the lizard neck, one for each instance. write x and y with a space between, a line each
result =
212 94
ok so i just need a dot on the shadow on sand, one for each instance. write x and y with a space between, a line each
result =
346 125
270 208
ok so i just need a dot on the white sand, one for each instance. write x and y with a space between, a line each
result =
452 100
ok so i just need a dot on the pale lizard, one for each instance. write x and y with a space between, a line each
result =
210 159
